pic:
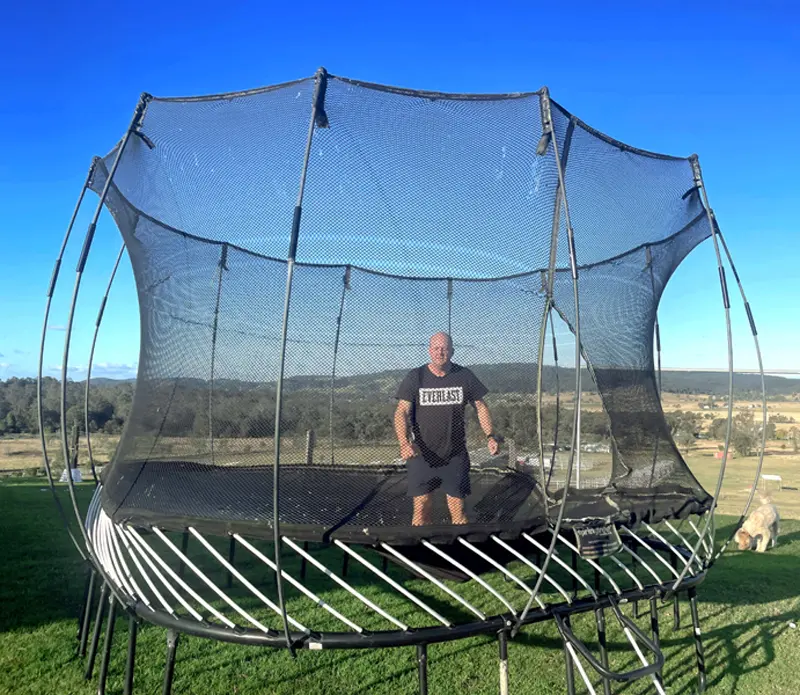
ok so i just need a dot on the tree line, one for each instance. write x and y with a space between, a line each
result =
191 408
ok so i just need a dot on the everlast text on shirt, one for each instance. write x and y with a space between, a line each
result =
442 396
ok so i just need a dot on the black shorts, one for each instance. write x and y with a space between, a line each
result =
451 475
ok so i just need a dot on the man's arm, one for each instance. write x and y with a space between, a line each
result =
401 429
485 418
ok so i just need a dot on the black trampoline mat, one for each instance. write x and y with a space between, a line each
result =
359 503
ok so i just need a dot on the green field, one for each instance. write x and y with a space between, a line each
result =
747 604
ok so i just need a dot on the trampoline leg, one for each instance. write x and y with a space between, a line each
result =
636 612
345 564
676 606
574 564
109 637
169 671
130 663
303 563
600 618
422 667
569 665
87 592
502 639
87 617
98 625
655 631
384 564
231 558
698 644
184 546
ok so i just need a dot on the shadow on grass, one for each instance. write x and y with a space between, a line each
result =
43 583
43 574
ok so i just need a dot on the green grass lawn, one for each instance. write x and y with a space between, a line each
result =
746 606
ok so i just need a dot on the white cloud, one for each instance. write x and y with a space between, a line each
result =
56 328
114 370
106 370
5 365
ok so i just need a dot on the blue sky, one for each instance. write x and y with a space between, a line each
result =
719 79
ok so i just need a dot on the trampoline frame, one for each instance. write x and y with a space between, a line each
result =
107 547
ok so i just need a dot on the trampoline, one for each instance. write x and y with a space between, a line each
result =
293 248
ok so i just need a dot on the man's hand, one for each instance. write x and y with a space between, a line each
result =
493 445
407 450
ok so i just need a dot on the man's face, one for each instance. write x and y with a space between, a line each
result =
440 350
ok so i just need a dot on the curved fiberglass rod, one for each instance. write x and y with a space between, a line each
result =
554 450
698 179
576 436
539 404
317 114
91 360
39 402
763 398
87 244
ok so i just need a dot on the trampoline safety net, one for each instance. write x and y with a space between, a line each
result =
421 213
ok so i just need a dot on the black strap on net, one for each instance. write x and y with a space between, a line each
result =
345 288
222 266
657 333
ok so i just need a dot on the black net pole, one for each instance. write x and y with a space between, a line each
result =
450 306
540 377
345 287
39 400
657 333
138 115
318 117
547 287
91 360
698 179
558 398
763 395
223 266
574 455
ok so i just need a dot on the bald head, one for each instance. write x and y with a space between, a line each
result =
441 338
440 349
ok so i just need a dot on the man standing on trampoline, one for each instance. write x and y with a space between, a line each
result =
431 429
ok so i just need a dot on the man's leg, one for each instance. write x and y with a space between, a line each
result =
423 510
456 507
457 486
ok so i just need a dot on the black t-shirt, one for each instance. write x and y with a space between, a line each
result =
437 408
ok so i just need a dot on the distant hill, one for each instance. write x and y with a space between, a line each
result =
521 378
517 378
